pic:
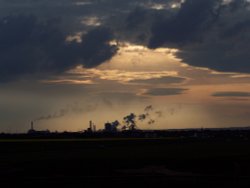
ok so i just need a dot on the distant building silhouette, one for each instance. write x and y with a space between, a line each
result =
32 125
32 131
91 128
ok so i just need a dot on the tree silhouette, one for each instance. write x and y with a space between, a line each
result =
130 122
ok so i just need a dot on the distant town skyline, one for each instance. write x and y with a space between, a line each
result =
64 62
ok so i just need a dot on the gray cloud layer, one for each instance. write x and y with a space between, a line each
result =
28 46
163 80
186 25
165 91
231 94
209 34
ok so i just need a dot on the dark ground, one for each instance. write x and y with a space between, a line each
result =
125 162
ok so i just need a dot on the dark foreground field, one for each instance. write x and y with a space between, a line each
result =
124 163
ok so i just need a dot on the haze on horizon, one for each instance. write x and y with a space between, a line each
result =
65 62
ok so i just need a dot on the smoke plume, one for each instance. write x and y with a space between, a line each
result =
69 109
149 116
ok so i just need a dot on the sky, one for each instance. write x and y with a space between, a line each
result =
65 62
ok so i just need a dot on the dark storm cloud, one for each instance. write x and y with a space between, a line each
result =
192 18
240 27
136 17
95 48
132 21
165 91
208 33
36 44
163 80
237 4
231 94
28 46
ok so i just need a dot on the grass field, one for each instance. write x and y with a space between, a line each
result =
126 161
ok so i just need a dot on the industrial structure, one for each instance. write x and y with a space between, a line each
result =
32 131
91 128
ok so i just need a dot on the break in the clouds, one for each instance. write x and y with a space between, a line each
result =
231 94
162 80
165 91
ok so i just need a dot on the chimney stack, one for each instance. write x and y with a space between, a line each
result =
90 125
32 125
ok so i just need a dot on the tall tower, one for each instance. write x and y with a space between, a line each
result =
90 125
32 125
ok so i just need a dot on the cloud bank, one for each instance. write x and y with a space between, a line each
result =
29 46
209 33
165 91
231 94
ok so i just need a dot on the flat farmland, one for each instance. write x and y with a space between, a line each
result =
126 161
